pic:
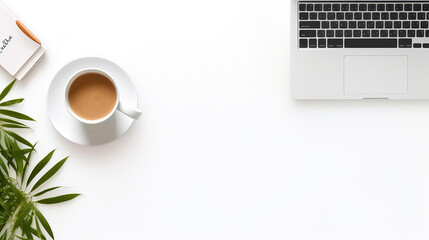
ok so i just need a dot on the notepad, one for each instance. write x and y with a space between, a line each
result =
20 50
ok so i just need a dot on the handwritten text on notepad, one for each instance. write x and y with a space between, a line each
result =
4 43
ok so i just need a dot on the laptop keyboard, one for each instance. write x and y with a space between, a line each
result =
363 24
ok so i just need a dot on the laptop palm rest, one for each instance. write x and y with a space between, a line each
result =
375 75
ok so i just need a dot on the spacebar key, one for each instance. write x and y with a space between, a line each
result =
371 43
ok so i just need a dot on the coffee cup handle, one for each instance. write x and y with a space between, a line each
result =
133 113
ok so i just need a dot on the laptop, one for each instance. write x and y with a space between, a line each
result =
360 49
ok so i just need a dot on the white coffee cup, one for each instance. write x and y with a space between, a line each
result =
131 112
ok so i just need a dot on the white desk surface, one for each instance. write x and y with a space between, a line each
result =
222 151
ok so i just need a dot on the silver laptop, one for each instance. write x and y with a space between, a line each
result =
360 49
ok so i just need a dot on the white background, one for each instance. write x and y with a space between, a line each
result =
222 151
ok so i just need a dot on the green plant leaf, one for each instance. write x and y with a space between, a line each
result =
3 166
24 213
58 199
19 138
23 238
19 158
3 204
7 120
11 102
38 230
44 223
27 159
40 166
14 114
49 174
45 191
9 125
26 227
6 90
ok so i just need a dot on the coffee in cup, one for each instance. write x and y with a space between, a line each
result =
92 97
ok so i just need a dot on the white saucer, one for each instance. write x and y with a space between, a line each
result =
76 131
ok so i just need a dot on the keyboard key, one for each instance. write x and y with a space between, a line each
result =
394 16
318 7
427 33
330 33
420 33
385 16
406 24
424 24
375 33
371 43
325 24
412 16
366 33
367 16
379 24
335 43
339 33
322 16
336 7
322 43
376 16
327 7
302 7
321 33
417 7
384 33
357 33
399 7
354 7
390 7
417 45
348 33
370 24
426 7
403 16
393 33
381 7
310 7
397 24
340 16
405 43
358 16
334 24
303 16
362 7
352 24
309 24
402 33
349 16
411 33
313 16
307 33
312 43
343 24
421 16
372 7
388 24
331 16
361 24
344 7
303 43
425 45
415 24
408 7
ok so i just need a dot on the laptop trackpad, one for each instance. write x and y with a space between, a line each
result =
375 75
